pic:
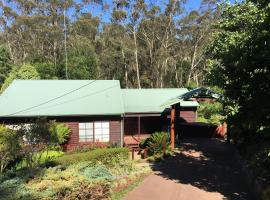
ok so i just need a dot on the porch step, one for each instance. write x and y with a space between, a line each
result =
133 146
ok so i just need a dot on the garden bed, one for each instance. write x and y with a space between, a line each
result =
95 174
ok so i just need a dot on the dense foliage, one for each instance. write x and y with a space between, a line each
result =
143 44
211 112
96 155
40 137
31 144
25 71
9 146
242 53
81 179
240 62
157 143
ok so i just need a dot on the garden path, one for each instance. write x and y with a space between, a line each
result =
204 170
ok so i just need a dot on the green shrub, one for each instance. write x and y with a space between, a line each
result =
85 191
155 143
41 137
91 146
211 113
9 146
60 131
42 158
104 156
15 189
266 194
96 172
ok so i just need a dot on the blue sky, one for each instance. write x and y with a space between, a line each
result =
97 10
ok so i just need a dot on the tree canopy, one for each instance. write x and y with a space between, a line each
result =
240 58
143 44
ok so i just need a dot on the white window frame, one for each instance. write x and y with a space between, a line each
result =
102 131
99 131
86 129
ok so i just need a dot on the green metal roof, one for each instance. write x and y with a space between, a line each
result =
100 97
151 100
33 98
197 92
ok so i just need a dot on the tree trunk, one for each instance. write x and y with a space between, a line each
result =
192 64
126 71
136 59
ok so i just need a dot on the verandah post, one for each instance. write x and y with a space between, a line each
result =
139 127
172 126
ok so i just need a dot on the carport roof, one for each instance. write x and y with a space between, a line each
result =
151 100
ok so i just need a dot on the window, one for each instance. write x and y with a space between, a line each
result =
86 132
94 131
102 132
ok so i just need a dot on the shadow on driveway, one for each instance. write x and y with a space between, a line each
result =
209 165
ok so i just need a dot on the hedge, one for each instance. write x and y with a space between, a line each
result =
104 156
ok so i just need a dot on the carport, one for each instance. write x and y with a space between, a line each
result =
175 105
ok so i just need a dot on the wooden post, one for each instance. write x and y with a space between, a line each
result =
172 126
139 127
145 153
132 155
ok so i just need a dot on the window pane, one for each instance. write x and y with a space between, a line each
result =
98 124
98 131
81 132
105 124
89 125
86 132
82 125
106 139
105 131
102 131
89 132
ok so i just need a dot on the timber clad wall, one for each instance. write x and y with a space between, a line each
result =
74 136
188 114
148 125
73 143
115 132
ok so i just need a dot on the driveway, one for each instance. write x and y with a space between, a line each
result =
204 170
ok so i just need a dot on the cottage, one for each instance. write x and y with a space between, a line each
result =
96 110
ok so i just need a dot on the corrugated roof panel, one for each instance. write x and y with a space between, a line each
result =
100 97
151 100
27 98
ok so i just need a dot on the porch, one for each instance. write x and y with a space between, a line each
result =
139 127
